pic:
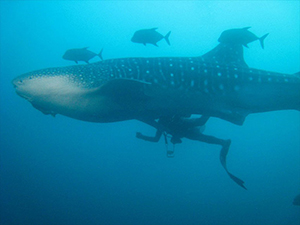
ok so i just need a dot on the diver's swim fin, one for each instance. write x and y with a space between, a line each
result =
223 155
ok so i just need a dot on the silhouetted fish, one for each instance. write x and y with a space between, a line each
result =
240 36
297 200
81 54
150 36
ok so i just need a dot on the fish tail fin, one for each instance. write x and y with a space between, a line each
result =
261 40
167 37
100 54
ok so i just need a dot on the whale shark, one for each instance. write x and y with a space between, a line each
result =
217 84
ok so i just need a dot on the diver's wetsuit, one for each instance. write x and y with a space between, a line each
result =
180 127
191 128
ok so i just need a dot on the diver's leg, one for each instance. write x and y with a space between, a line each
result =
198 136
223 153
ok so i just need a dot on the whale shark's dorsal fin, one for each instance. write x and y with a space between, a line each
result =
231 54
246 28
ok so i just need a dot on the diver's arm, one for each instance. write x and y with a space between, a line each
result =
148 138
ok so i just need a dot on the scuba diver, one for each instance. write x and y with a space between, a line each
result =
191 128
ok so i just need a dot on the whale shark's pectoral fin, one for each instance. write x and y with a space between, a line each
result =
124 91
133 93
44 111
236 116
119 87
231 54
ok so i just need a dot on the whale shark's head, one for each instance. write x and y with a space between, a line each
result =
59 80
44 89
74 91
32 85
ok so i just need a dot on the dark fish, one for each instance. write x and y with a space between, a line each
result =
149 36
81 54
297 200
240 36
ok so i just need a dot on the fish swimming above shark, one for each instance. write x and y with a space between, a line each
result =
81 54
149 36
240 36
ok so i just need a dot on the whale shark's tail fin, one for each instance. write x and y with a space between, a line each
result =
261 40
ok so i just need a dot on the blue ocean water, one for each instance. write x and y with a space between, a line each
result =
64 171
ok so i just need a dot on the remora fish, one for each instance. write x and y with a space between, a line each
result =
240 36
81 54
218 84
150 36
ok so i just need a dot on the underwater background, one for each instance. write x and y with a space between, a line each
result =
64 171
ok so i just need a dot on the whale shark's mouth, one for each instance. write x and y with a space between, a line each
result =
22 94
16 84
43 110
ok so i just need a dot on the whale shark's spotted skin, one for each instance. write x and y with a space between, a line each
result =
218 84
174 72
191 72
